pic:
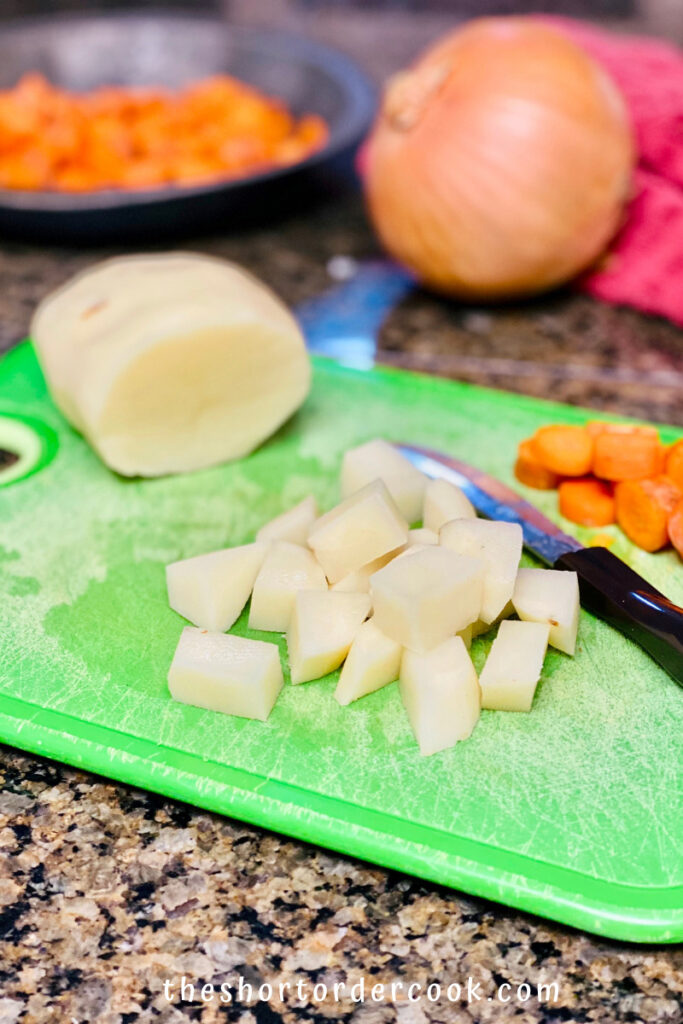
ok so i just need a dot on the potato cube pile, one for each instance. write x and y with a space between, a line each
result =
391 584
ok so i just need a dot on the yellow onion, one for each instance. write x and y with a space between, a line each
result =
500 163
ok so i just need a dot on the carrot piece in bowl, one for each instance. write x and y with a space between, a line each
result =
588 502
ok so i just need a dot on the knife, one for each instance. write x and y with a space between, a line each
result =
343 323
608 587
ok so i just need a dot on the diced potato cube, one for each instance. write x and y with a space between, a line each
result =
225 673
286 569
466 635
360 529
379 460
499 546
422 599
211 590
444 501
513 667
422 536
358 581
373 661
440 692
479 627
322 630
552 596
412 549
292 525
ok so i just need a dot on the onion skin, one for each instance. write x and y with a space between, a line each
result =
500 163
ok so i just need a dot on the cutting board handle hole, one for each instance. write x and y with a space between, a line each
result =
26 446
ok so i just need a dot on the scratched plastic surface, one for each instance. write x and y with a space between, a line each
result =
573 811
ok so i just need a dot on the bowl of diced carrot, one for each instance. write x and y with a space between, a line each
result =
610 473
124 123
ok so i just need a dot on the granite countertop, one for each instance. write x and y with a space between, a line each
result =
106 893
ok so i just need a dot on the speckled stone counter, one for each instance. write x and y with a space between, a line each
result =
109 896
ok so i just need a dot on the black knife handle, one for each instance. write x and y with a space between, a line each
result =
617 594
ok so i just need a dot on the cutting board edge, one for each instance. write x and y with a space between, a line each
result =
137 762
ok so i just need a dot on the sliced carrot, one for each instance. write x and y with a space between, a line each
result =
662 456
643 510
675 528
674 463
588 502
531 472
595 427
626 455
566 450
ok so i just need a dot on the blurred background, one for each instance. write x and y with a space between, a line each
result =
402 26
622 354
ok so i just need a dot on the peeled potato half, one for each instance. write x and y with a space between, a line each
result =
171 362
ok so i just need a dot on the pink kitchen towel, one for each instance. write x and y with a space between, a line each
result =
644 267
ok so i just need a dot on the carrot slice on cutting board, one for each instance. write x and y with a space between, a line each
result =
644 508
674 463
588 502
531 472
595 427
566 450
675 527
627 454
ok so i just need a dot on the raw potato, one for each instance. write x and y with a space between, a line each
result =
379 460
170 362
422 599
550 596
480 627
225 673
466 635
358 581
286 569
293 525
412 549
211 590
499 546
444 501
373 661
422 536
363 527
440 692
321 631
513 667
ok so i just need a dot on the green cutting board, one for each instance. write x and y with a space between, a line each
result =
573 811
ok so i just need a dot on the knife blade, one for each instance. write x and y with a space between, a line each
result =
609 588
494 500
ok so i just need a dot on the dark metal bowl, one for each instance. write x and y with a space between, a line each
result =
83 52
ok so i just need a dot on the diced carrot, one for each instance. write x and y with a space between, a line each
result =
595 427
675 528
662 455
626 455
566 450
643 510
589 502
141 137
531 472
674 463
